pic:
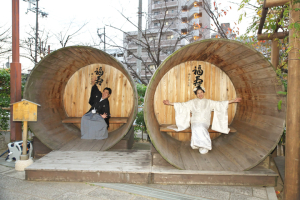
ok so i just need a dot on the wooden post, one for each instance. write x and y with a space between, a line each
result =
272 3
292 155
15 73
24 155
275 53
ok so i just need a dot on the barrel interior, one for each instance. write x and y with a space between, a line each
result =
177 86
77 92
60 83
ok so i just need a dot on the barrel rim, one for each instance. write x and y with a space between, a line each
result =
150 92
133 113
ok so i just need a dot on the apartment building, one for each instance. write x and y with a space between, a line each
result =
226 29
176 22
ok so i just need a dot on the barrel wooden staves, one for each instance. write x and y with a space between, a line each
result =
228 69
61 84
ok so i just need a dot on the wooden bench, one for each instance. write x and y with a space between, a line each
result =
112 120
163 128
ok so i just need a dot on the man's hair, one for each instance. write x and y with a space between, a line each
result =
107 88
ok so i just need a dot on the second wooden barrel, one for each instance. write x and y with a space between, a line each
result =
61 84
227 69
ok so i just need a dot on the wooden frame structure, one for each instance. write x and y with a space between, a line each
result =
258 123
292 160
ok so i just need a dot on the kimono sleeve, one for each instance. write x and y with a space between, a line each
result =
182 116
220 120
107 111
94 92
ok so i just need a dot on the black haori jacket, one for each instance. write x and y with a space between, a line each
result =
101 107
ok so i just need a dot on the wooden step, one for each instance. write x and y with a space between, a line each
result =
134 166
112 120
163 128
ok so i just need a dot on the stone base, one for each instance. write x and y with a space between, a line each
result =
20 165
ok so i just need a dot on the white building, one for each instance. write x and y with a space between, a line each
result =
181 22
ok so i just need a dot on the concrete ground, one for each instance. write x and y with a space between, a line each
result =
14 186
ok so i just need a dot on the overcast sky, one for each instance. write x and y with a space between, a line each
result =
96 13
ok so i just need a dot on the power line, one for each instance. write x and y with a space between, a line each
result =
37 11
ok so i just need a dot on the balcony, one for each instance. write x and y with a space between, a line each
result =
184 20
184 31
184 8
161 16
163 4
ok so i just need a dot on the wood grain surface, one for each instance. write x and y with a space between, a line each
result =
78 89
177 86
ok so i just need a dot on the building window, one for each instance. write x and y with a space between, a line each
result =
156 24
167 23
168 52
151 38
156 2
170 37
173 11
184 31
167 12
151 67
197 26
197 15
197 4
155 13
198 37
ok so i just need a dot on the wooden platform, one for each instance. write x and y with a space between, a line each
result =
133 166
112 120
164 128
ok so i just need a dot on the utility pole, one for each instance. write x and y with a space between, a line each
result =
37 11
15 73
139 48
36 31
100 34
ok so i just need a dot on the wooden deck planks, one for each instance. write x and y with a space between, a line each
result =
135 167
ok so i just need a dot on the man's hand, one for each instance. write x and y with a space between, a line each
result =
93 79
104 115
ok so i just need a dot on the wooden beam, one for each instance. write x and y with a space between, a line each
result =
272 3
280 35
292 154
262 20
275 53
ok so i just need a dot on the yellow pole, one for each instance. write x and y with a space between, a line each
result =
24 155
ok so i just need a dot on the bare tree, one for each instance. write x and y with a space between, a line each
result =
157 42
65 36
5 41
28 44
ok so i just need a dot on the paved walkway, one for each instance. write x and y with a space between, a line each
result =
13 186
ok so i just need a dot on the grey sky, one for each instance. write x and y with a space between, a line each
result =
96 13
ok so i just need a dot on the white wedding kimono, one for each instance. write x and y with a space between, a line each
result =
200 120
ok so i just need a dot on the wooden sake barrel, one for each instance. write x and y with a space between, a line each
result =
230 69
61 84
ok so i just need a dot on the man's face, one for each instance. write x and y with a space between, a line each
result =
105 94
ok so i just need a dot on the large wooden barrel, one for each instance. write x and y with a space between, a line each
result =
228 69
61 84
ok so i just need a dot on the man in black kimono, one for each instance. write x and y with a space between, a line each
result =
95 122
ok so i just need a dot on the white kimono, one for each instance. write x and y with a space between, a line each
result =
200 120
